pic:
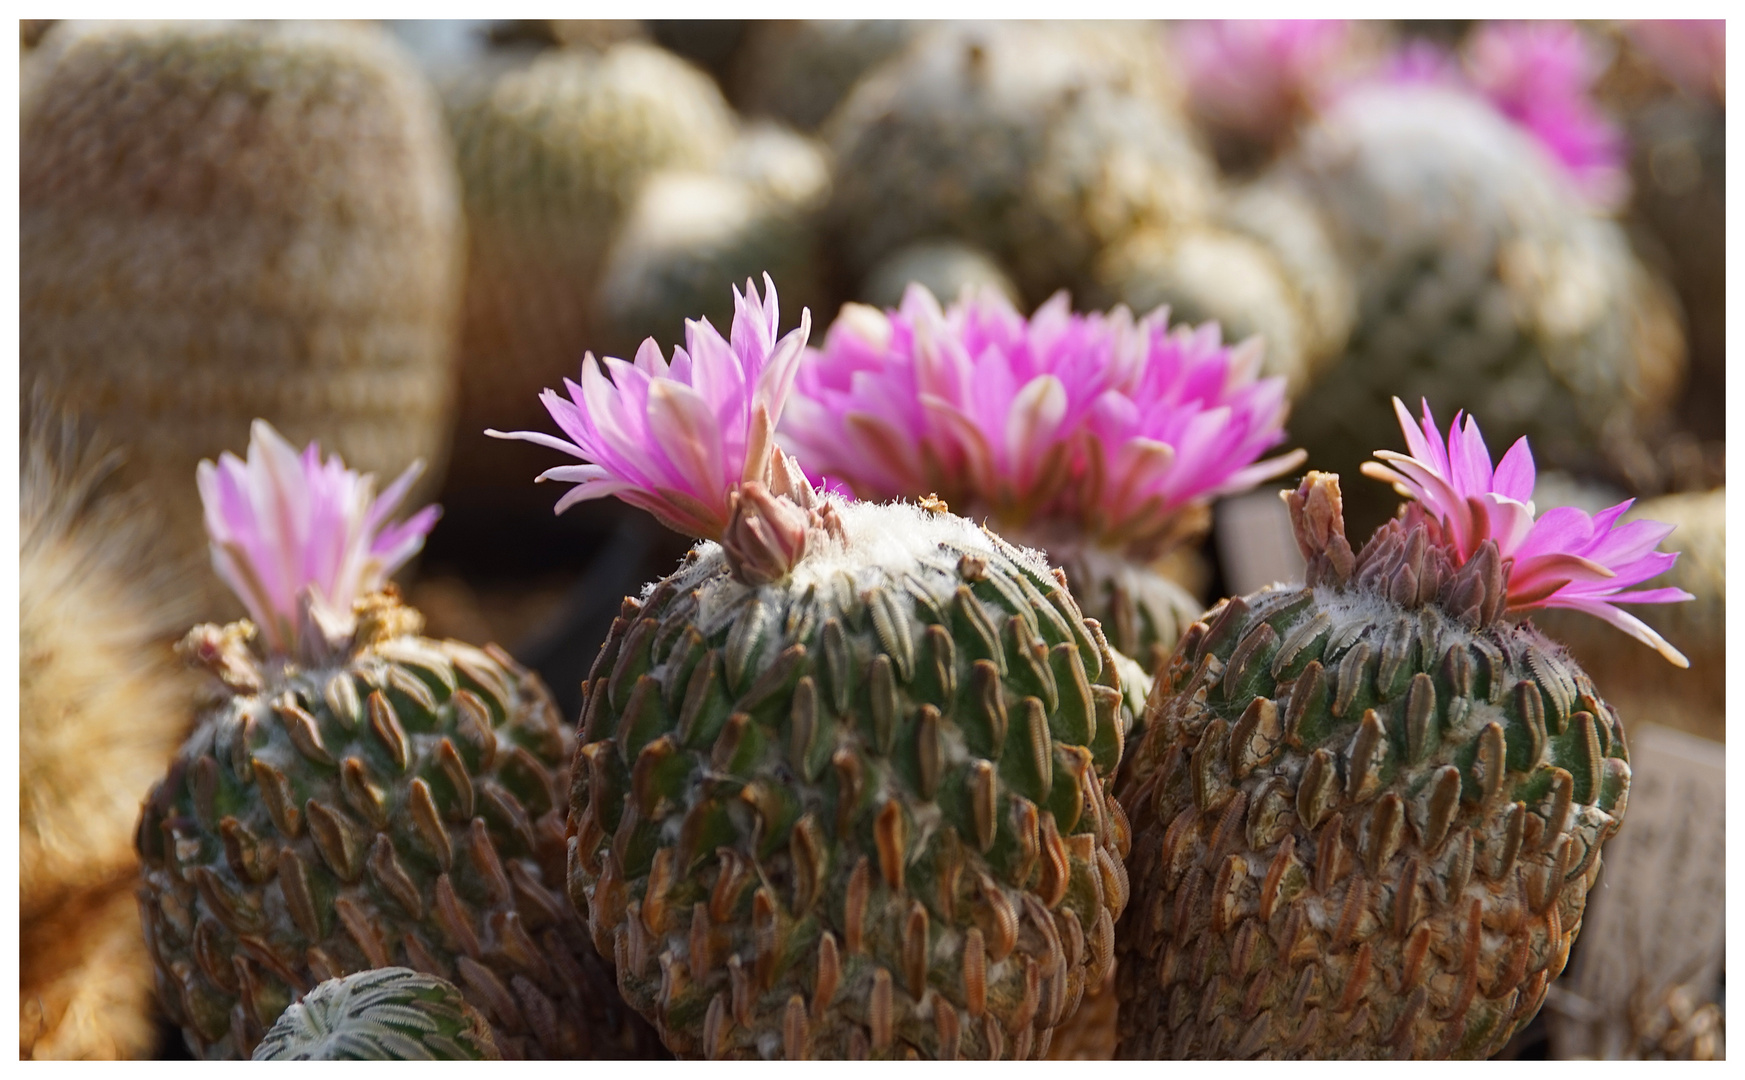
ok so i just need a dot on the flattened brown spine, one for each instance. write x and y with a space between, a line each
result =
454 918
983 794
891 836
975 973
299 901
336 839
385 725
929 751
794 1029
879 1008
363 930
392 878
848 785
854 906
829 975
361 794
915 950
275 789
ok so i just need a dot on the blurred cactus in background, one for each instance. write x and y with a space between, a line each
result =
1039 143
799 70
1483 281
553 154
219 222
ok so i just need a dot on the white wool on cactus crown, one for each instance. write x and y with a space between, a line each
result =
879 543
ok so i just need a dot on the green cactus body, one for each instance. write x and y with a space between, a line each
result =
1040 144
857 812
383 1014
1483 283
400 802
1363 827
220 222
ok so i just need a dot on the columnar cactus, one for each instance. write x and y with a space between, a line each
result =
227 221
1368 810
840 787
356 796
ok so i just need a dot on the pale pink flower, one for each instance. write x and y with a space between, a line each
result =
1108 422
1257 76
1565 558
677 438
284 525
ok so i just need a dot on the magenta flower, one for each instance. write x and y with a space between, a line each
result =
1111 423
1257 76
1541 76
1566 558
284 525
677 438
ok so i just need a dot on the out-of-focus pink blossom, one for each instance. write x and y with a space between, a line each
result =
677 438
282 524
1107 422
1258 76
1565 558
1541 75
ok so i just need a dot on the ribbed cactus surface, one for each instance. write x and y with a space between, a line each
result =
1364 825
859 811
400 803
383 1014
220 222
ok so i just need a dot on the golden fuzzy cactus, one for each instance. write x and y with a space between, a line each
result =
219 222
100 712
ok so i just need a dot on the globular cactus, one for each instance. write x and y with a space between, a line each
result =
798 70
1367 811
840 788
553 155
227 221
356 796
382 1014
1040 144
1486 278
691 234
1071 432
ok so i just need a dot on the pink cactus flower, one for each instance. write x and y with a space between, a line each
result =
1102 420
285 528
676 439
1564 558
1257 76
1541 76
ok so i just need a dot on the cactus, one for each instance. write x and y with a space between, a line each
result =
1039 144
1368 810
382 1014
552 157
840 785
355 796
219 222
1485 280
798 70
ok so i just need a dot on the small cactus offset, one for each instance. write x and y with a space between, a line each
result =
356 796
841 784
1368 811
383 1014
